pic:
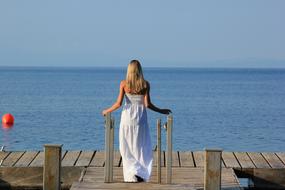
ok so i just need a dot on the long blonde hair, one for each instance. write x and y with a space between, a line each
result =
134 80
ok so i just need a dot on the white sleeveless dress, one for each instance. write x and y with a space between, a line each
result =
134 139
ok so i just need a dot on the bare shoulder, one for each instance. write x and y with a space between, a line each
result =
123 83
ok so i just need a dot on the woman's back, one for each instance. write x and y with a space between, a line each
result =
134 99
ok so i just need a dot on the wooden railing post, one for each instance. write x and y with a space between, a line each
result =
109 147
112 147
212 171
158 125
169 149
52 167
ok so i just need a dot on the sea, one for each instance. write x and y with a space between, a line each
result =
235 109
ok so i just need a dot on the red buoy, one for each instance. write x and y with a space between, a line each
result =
8 119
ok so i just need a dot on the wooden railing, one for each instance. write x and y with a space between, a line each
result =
109 147
168 126
212 161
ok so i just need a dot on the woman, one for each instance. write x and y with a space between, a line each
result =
134 136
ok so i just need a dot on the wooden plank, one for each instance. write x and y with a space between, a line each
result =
281 155
3 155
12 158
244 160
198 158
273 160
182 175
70 158
98 159
258 160
26 159
175 159
134 186
85 158
230 160
39 160
186 159
63 154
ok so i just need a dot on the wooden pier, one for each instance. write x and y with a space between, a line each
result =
25 169
183 178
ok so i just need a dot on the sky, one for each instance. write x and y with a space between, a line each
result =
160 33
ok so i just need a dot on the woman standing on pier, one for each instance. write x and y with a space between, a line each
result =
134 136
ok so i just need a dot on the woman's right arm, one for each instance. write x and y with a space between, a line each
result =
151 106
119 101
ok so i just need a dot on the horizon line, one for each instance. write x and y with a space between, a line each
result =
109 66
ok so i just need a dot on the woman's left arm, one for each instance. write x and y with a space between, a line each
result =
119 101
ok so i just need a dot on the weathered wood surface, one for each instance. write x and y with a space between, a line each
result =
244 160
230 160
169 152
183 178
32 177
109 153
273 160
85 158
3 155
252 162
238 160
98 159
126 186
258 160
281 155
158 150
175 159
199 158
12 158
38 160
26 159
212 175
70 158
134 186
186 159
52 167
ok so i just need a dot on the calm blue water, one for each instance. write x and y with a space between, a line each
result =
234 109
